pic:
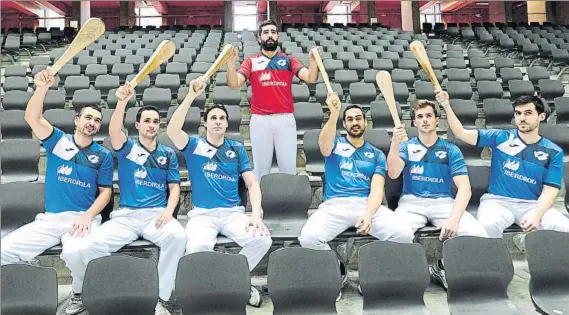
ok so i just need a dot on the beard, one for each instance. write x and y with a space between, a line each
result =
85 132
270 45
527 128
356 134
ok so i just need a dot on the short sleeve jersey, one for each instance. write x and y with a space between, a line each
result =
348 170
214 172
519 170
429 171
73 174
271 80
144 176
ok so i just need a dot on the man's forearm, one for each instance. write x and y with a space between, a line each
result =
312 72
255 196
100 203
173 199
115 125
460 203
545 202
232 78
34 109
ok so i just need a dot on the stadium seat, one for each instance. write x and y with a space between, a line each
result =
20 282
498 113
212 283
109 285
471 153
550 89
458 75
16 100
438 73
129 120
308 116
479 62
105 83
300 93
286 199
466 111
199 102
95 70
20 203
15 71
233 119
85 97
481 74
489 89
15 83
345 78
158 97
508 74
456 63
75 82
122 70
20 158
562 110
548 262
558 134
381 116
61 118
69 70
424 90
303 280
322 92
393 278
383 64
459 90
475 285
401 92
403 76
112 100
362 93
13 125
167 81
226 96
379 138
458 54
520 88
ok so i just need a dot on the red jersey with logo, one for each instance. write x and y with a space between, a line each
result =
271 80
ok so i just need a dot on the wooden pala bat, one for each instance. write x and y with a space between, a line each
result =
324 74
420 54
91 30
163 52
383 80
221 60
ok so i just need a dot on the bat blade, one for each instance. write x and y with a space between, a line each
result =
91 30
420 54
324 74
383 80
221 60
163 52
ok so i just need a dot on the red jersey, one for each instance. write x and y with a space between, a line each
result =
271 80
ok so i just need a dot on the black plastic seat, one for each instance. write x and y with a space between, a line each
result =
20 282
20 158
13 125
20 203
308 116
381 116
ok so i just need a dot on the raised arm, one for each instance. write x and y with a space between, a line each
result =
310 75
175 127
328 133
234 79
466 135
118 138
395 163
33 116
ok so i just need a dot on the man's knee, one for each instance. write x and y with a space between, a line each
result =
193 246
402 233
310 239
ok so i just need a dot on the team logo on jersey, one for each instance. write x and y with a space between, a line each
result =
540 155
512 165
64 170
369 155
210 166
441 154
346 165
162 160
417 169
230 154
281 62
140 173
93 158
265 76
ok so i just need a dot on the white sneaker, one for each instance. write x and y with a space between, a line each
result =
75 305
255 299
161 308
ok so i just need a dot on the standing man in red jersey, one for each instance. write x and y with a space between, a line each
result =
272 126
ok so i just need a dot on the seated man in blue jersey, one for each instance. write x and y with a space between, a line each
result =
526 170
430 165
78 186
214 166
354 185
148 171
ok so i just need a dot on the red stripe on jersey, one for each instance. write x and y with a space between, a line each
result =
271 80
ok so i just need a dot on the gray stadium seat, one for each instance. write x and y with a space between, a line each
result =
300 93
403 76
286 199
548 262
489 89
459 90
85 97
383 64
508 74
381 116
303 281
362 93
84 61
466 111
106 82
424 90
179 68
95 70
458 75
456 63
438 73
557 134
234 118
20 203
112 100
458 54
198 102
69 70
520 88
401 92
479 62
167 81
20 282
393 278
122 70
13 125
346 77
314 158
359 65
159 97
73 83
551 89
15 71
481 74
213 283
20 158
474 285
498 112
16 99
191 122
226 96
61 118
15 83
562 110
308 116
109 289
537 73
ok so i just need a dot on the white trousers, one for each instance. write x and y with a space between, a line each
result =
126 226
48 230
336 215
273 133
205 224
417 212
496 213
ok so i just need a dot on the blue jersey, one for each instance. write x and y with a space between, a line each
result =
214 172
73 174
429 171
348 170
519 170
144 176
